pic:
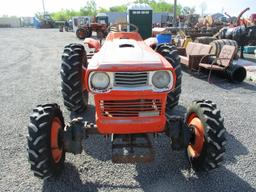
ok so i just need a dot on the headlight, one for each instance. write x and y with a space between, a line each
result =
161 79
100 80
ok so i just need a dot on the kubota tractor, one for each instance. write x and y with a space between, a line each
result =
134 88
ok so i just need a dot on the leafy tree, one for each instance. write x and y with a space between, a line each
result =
91 9
188 10
160 5
120 8
64 14
102 10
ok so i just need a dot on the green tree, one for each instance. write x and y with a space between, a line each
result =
90 8
64 14
188 10
102 10
120 8
160 5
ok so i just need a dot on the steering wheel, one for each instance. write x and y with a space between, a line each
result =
123 27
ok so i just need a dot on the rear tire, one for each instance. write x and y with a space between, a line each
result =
73 61
212 135
170 53
40 155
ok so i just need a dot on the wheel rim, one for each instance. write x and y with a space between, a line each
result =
81 33
83 80
56 149
194 149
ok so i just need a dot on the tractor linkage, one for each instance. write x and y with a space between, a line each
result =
127 148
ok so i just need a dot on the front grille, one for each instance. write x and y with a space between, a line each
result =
131 79
131 108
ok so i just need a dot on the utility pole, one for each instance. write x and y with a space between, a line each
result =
203 6
43 6
175 13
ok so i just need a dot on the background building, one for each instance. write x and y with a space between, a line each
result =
116 17
10 22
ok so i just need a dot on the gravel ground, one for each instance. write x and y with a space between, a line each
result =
29 68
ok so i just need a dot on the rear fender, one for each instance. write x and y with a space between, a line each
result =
92 43
151 42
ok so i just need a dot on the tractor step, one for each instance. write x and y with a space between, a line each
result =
132 148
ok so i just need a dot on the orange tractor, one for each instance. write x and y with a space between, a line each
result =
135 88
99 25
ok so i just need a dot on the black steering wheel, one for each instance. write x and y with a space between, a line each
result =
123 27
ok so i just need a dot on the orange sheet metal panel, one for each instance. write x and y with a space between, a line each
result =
127 112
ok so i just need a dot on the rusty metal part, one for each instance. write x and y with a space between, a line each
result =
126 149
240 15
229 16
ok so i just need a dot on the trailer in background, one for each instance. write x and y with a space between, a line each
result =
10 22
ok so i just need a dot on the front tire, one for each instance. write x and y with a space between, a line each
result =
82 33
170 53
45 143
72 74
207 148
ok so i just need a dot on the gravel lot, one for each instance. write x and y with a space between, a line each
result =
29 68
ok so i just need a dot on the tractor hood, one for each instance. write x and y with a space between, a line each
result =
126 54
